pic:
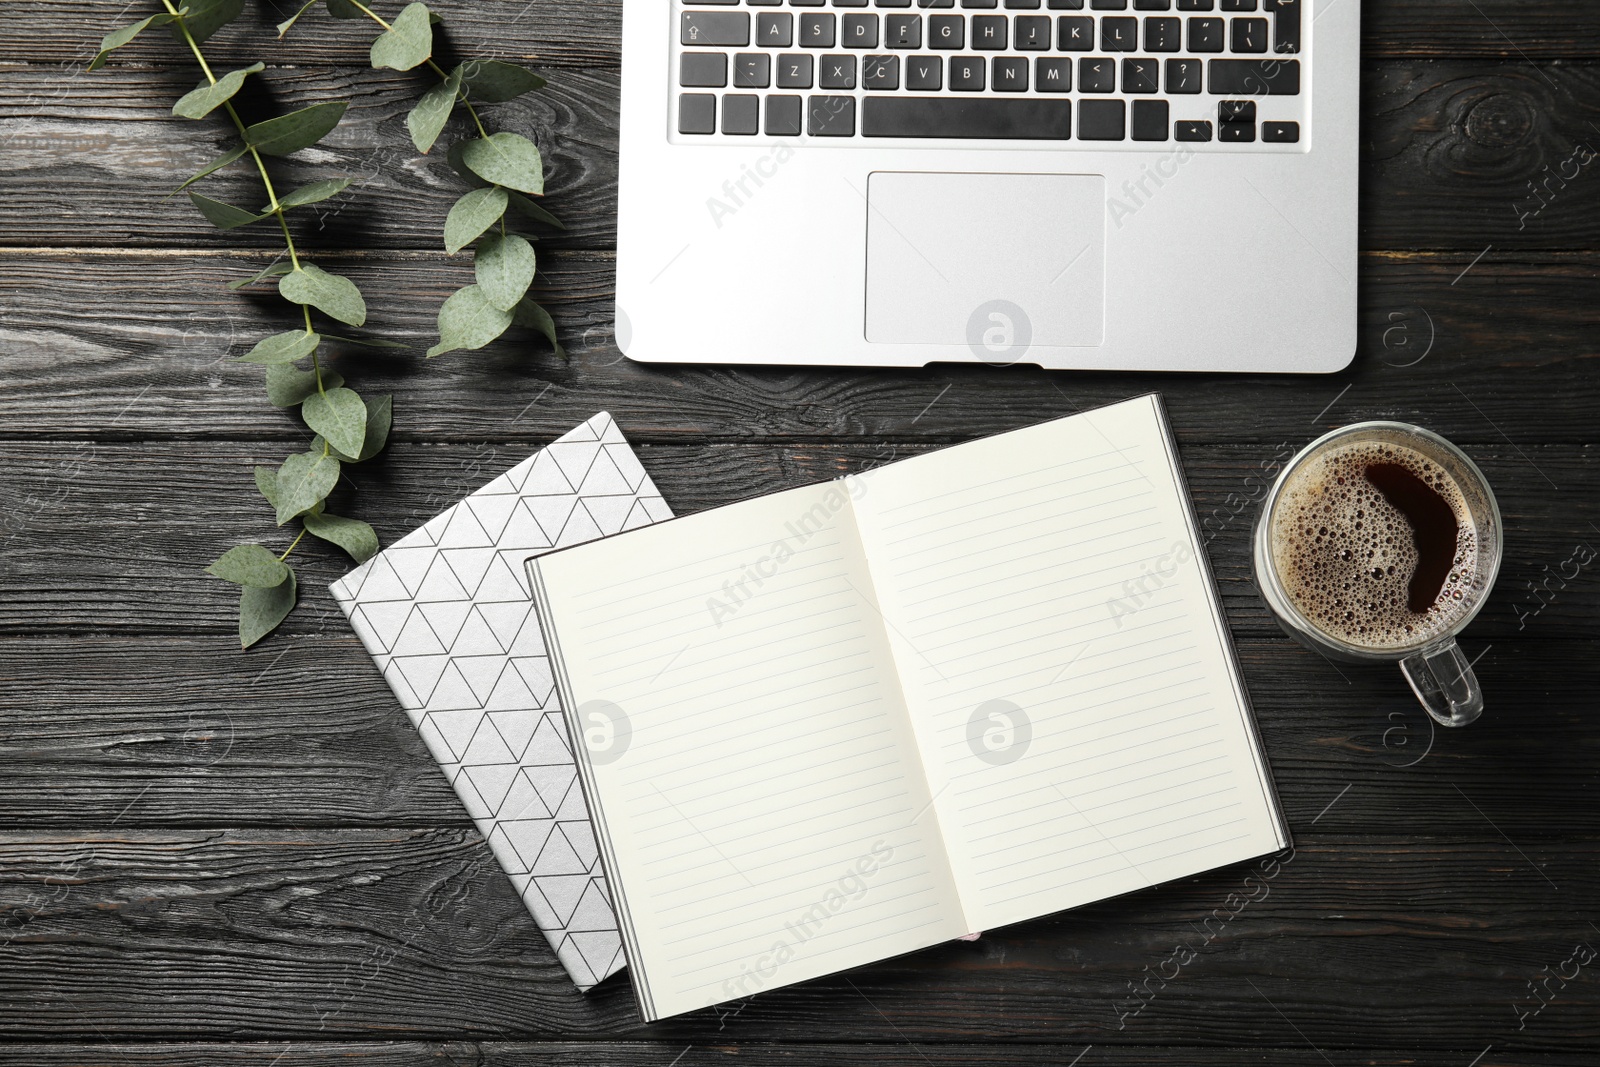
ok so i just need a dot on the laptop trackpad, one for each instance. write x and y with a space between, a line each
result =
998 262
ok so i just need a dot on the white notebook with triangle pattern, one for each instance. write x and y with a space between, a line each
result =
446 613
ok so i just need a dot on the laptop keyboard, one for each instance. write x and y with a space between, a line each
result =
1096 72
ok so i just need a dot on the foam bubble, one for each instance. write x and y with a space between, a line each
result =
1346 555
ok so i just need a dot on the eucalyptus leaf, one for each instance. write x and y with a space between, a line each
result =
352 535
223 216
119 37
532 209
380 417
427 119
288 24
531 315
267 484
471 215
212 167
296 130
507 159
302 482
261 610
282 348
459 164
332 294
198 103
505 267
288 385
271 270
206 17
339 416
344 9
467 320
250 565
408 42
494 81
314 193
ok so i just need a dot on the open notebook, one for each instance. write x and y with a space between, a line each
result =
843 722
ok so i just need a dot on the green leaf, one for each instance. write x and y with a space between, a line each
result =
505 268
296 130
302 482
366 342
534 211
250 565
531 315
427 119
282 348
119 37
212 167
352 535
288 24
271 270
507 159
380 417
332 294
459 165
468 320
223 216
495 82
339 416
344 9
267 484
314 193
288 386
198 103
471 215
407 42
206 17
261 610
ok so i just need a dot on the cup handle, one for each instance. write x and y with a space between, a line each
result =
1443 680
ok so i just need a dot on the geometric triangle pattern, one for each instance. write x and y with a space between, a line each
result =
446 612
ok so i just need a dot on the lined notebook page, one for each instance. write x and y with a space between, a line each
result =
1072 688
768 820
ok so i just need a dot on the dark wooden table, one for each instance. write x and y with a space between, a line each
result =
209 857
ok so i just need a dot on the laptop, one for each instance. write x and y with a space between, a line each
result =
1165 185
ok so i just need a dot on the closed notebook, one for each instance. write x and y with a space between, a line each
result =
843 722
445 612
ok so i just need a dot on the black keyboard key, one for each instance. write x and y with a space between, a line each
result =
838 72
1249 35
1163 35
1205 35
902 31
1280 132
1141 75
833 116
1194 131
947 31
740 113
795 71
752 70
783 116
1097 75
697 113
1074 33
989 32
1010 74
1033 33
1196 5
966 74
1150 120
1102 120
703 70
817 30
880 72
924 74
708 29
775 29
860 31
1285 25
1119 34
1183 76
1052 75
1253 77
945 117
1236 131
1236 111
1238 5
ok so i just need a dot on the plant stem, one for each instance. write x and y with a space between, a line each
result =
293 545
261 166
431 66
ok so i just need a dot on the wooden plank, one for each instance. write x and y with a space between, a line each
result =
1476 351
99 1053
226 934
105 536
148 731
1450 148
586 32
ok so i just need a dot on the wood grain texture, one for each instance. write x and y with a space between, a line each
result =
1503 350
262 934
1452 147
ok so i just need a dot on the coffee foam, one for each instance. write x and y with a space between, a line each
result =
1345 554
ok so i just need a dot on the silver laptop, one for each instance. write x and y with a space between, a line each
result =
1098 184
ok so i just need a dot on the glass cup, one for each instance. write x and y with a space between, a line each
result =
1439 674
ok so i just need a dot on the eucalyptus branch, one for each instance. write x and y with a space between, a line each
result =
348 428
505 170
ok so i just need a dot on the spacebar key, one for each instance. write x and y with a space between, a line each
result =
924 116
